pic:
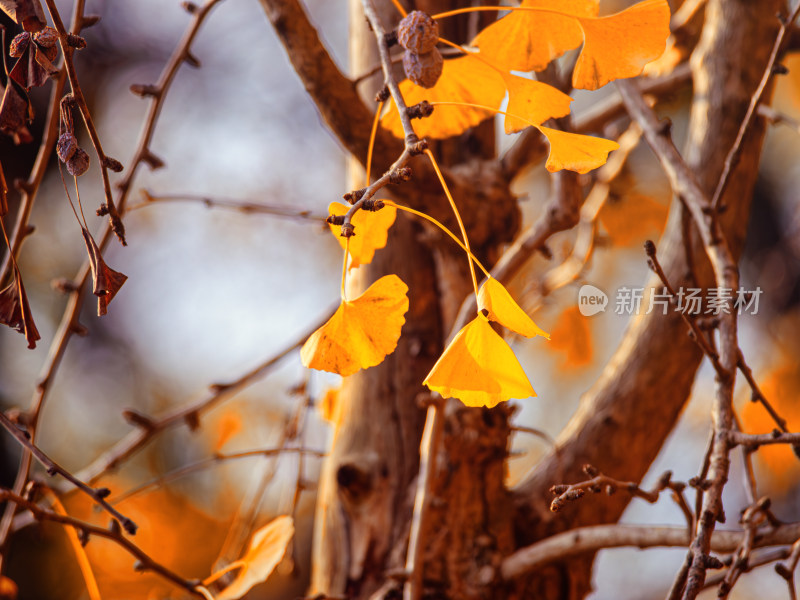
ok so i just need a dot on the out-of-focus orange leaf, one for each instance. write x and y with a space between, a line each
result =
8 589
534 101
266 550
172 530
620 45
528 40
362 332
575 152
495 299
371 231
632 219
330 405
573 338
479 368
228 426
464 79
781 387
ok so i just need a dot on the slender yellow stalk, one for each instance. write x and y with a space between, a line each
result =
399 7
458 218
442 227
344 269
483 106
469 9
372 136
80 551
231 567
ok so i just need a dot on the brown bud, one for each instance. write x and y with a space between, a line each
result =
46 38
19 44
423 69
78 164
66 146
418 32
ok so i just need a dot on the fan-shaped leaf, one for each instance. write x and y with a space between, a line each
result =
575 152
362 332
371 231
533 101
494 298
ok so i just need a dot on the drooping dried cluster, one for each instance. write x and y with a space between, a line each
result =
418 33
69 152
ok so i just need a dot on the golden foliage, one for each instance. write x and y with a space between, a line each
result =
479 368
502 308
371 231
362 332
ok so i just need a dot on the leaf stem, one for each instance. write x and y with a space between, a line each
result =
344 269
372 136
443 228
237 564
399 7
471 9
458 218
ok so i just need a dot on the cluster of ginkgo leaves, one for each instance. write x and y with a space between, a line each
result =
478 367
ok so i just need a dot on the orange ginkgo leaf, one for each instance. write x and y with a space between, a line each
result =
464 79
632 219
533 101
572 337
575 152
362 332
479 368
371 231
266 551
501 308
620 45
528 41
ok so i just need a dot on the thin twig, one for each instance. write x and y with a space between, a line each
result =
733 154
115 219
210 462
97 495
244 206
189 415
727 277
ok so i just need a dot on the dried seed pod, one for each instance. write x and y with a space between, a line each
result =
78 164
418 32
19 44
66 146
46 37
423 69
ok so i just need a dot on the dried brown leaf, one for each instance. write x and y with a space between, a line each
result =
27 13
15 310
15 111
106 281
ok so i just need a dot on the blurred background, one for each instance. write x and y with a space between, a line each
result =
212 293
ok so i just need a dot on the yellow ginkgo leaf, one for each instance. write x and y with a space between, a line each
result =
371 231
464 79
528 40
495 299
620 45
479 368
575 152
266 550
362 332
533 101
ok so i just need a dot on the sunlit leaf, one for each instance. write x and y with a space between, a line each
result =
266 551
494 298
575 152
534 101
528 41
362 332
620 45
330 405
371 231
464 79
632 219
573 338
479 368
